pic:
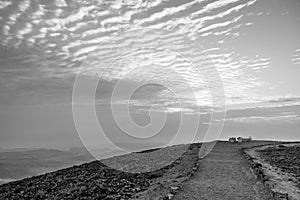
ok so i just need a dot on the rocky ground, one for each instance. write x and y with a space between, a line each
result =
95 180
286 158
277 166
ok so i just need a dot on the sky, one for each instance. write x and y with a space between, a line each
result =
167 61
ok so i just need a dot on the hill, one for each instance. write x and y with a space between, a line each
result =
21 163
96 180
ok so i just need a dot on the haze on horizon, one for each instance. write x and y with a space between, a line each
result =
253 44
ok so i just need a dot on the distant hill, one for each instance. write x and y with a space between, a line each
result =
18 163
21 163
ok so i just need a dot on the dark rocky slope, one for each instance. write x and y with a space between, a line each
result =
95 180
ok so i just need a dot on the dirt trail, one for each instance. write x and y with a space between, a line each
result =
223 174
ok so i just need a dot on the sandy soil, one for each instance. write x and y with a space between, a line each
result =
224 174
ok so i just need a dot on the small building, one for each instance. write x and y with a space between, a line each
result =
241 139
232 140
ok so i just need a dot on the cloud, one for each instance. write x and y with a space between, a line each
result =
61 3
90 21
24 5
285 99
218 25
4 4
166 12
296 57
255 119
69 35
267 113
211 6
26 30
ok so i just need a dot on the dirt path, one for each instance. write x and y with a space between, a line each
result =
223 174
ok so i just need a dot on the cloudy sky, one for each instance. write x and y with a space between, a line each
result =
180 56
